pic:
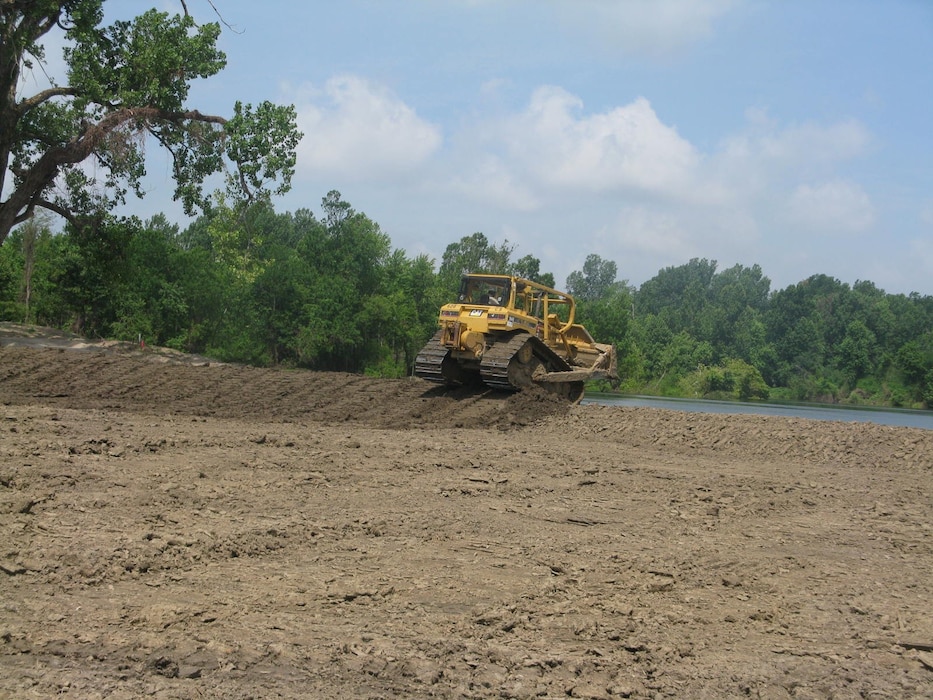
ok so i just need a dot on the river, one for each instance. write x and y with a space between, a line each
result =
882 416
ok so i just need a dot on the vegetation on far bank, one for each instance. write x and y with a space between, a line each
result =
329 292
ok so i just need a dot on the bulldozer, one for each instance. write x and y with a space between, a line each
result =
511 333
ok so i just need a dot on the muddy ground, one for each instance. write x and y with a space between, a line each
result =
175 528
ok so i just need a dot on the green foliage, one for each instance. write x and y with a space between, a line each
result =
679 296
128 85
857 354
262 141
683 354
11 270
143 62
244 283
914 361
652 336
818 340
732 379
472 254
608 317
95 271
594 281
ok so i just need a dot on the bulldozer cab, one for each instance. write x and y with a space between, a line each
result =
485 290
553 310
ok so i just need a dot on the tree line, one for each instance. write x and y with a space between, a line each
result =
244 283
692 330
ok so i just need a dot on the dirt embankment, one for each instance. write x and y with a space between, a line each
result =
178 528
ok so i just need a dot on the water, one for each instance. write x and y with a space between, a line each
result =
881 416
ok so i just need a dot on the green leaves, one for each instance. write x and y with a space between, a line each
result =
733 379
262 142
594 281
128 83
472 254
147 62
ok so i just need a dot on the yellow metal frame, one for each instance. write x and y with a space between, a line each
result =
527 306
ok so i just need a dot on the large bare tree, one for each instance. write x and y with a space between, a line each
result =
127 85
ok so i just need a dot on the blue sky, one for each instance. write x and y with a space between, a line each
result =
795 134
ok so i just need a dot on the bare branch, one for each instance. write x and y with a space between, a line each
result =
166 145
224 22
220 17
38 201
32 102
243 184
55 208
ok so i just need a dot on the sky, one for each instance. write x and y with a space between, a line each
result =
792 134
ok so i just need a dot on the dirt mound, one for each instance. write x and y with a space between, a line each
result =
175 528
106 376
82 375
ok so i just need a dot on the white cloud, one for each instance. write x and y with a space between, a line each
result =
555 149
814 143
790 177
921 250
358 130
831 207
631 188
620 182
627 147
644 230
654 27
763 149
491 181
926 212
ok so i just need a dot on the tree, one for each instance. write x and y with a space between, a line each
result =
737 293
749 340
680 296
346 254
24 254
279 294
732 379
32 260
31 232
595 279
529 267
608 317
94 269
472 254
125 83
11 265
857 351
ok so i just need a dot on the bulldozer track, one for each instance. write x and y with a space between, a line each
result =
429 363
494 368
502 367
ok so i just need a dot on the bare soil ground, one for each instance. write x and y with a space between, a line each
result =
175 528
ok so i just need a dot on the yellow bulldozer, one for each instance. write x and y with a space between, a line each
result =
511 333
